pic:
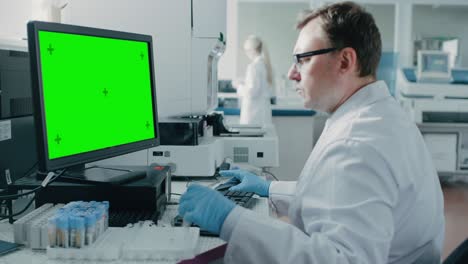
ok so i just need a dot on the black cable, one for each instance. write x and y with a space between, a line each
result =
15 196
20 212
188 181
176 194
29 170
32 199
24 175
272 175
107 168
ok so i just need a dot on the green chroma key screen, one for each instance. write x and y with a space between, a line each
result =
97 92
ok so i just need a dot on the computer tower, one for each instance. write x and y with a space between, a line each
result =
17 138
17 149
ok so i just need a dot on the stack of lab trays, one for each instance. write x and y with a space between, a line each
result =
78 224
31 229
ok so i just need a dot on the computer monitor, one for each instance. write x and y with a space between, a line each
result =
225 86
94 96
433 66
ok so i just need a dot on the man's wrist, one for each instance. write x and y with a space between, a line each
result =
265 189
228 209
230 222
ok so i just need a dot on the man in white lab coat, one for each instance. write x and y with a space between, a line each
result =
368 193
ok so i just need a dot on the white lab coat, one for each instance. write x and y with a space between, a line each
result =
368 193
255 95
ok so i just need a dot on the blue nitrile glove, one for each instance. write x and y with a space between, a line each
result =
248 182
205 207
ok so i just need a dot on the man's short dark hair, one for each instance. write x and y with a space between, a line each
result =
347 24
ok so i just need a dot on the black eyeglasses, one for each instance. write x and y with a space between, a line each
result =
299 56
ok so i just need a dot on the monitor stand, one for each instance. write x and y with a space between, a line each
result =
103 175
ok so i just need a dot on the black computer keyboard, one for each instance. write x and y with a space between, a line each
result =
121 218
243 199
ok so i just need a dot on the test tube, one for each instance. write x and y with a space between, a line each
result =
92 203
186 229
90 223
62 230
52 231
106 214
72 222
102 211
80 232
97 216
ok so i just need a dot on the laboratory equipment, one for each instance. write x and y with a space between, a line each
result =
433 66
190 161
432 102
83 112
448 145
17 149
15 85
203 159
77 224
17 137
441 112
182 131
460 75
262 152
32 229
225 86
141 242
144 199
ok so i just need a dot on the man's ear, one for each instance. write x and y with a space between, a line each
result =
348 60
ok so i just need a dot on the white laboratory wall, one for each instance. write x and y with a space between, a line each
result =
14 14
442 21
13 17
227 63
295 143
274 23
384 16
206 23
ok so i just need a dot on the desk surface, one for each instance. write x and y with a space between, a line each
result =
285 106
26 255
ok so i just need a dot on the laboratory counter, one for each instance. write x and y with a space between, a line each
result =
27 255
284 106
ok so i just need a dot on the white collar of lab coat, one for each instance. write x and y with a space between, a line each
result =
367 95
257 59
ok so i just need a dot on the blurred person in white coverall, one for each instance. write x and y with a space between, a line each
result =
369 192
255 91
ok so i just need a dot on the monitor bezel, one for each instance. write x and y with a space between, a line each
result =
46 164
424 74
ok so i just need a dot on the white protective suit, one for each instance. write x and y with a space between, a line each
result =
255 95
369 193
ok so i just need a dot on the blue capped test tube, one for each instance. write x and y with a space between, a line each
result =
90 225
52 231
62 231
